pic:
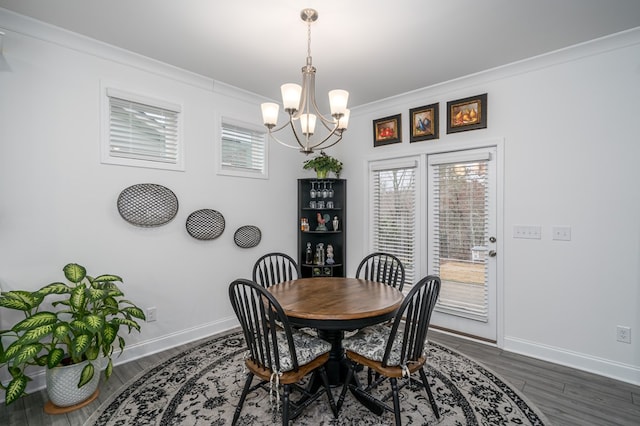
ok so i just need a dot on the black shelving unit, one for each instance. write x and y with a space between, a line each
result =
334 207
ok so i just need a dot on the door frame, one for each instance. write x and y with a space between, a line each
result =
498 144
421 263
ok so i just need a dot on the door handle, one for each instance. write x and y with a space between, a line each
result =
492 253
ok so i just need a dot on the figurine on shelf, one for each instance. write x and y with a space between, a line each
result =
335 223
320 254
322 220
330 260
308 257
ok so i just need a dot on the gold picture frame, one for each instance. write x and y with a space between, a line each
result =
425 123
387 130
467 114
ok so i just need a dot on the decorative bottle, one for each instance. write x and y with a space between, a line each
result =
308 256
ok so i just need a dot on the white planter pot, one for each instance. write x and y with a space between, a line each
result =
62 384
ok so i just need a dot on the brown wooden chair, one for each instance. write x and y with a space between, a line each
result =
274 268
397 351
277 354
383 268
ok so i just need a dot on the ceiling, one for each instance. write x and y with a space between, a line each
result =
373 48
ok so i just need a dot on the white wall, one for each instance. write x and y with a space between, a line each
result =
58 202
568 124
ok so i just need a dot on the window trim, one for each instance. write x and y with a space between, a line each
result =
220 169
109 90
409 162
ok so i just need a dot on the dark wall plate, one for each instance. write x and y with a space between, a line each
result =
205 224
247 236
147 205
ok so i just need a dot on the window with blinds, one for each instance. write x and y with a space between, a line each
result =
393 189
460 219
142 132
243 150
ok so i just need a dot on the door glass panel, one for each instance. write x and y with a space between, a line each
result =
460 214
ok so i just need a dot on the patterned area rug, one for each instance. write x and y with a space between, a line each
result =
202 385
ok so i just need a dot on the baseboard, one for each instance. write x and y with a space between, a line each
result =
162 343
603 367
152 346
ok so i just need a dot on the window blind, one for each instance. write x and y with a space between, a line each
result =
460 210
243 149
394 215
142 132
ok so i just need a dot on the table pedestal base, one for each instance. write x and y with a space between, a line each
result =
335 367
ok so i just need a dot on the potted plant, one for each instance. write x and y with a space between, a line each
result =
322 164
82 324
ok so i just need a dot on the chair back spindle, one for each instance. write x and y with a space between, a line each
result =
382 267
260 316
412 319
274 268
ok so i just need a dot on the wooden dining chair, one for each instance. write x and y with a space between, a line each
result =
278 355
394 352
274 268
382 267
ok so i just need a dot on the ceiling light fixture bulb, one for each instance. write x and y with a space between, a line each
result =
299 102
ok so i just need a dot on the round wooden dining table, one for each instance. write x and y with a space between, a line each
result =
333 305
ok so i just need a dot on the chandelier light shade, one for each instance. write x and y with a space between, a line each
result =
299 103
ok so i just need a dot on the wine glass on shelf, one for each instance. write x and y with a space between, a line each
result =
331 193
313 191
325 191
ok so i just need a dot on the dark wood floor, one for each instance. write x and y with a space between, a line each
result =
566 396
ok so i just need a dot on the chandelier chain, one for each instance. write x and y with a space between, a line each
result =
308 38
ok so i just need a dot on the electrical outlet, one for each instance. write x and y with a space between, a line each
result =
152 314
623 334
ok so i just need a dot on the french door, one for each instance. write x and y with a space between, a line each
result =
461 240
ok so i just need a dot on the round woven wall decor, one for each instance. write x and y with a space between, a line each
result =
247 236
147 204
205 224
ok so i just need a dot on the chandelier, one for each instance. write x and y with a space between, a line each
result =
300 103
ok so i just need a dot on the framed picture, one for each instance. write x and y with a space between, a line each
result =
425 123
387 130
467 114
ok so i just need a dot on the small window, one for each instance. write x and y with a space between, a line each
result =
141 132
243 150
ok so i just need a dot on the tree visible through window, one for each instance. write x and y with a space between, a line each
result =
141 131
243 150
394 215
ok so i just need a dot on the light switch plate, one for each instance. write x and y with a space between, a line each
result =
527 231
561 233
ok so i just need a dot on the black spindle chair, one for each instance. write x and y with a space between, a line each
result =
274 268
383 268
397 351
277 354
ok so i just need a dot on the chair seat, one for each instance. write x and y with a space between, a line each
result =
307 348
371 342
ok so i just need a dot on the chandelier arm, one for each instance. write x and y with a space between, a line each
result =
295 133
319 144
332 144
272 136
277 129
326 122
330 125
